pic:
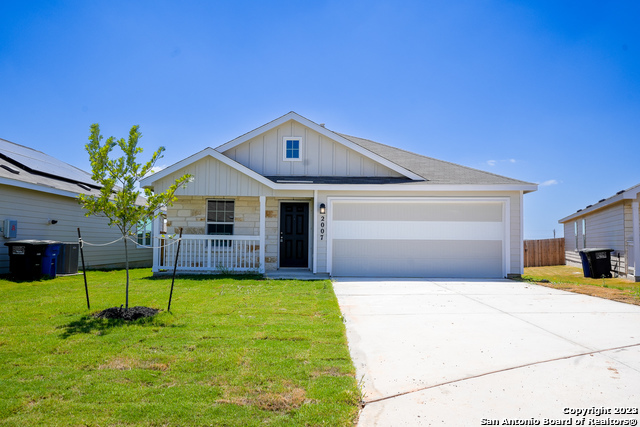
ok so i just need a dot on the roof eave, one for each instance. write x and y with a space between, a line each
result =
629 194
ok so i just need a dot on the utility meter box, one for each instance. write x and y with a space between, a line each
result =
10 228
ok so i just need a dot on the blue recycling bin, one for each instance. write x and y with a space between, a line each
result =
50 259
585 264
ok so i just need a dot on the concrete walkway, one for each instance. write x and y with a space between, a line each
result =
470 353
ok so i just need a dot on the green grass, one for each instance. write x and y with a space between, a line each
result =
232 352
574 275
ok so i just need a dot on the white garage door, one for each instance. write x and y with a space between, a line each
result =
418 238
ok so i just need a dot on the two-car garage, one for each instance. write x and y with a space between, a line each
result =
418 237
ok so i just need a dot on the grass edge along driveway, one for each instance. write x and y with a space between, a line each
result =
572 279
233 352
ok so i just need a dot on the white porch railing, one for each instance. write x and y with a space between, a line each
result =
214 254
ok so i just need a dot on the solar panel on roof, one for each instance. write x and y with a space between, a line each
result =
43 163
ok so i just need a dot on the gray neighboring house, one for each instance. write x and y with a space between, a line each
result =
292 194
40 192
612 223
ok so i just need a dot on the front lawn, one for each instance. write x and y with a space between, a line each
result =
572 279
232 352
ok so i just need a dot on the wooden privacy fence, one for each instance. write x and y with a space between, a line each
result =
540 253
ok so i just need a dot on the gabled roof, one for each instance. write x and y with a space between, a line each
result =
418 170
628 194
323 131
25 167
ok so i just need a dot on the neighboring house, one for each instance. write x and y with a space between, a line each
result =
611 223
294 194
40 193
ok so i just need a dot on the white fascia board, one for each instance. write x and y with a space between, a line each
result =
148 181
612 201
630 194
38 187
401 187
264 128
323 131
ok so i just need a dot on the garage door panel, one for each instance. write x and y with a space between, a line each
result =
415 258
417 211
414 230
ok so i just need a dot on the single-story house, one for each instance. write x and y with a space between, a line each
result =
38 194
294 194
612 223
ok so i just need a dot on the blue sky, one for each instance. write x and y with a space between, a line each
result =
542 91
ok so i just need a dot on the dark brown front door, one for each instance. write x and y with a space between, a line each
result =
294 235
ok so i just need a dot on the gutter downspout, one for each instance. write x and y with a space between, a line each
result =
635 216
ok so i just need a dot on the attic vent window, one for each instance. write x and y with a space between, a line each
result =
292 147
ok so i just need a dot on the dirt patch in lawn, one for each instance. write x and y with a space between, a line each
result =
595 291
132 313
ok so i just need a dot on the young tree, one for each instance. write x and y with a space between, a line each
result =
119 193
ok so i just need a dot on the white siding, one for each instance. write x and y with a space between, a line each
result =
321 156
605 228
211 177
34 209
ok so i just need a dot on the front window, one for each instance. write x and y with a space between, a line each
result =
575 232
143 233
584 233
292 149
220 217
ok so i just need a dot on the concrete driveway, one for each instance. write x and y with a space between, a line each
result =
471 353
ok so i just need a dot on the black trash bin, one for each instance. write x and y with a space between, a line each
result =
599 260
68 259
31 259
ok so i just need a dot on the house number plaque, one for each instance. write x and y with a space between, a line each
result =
322 229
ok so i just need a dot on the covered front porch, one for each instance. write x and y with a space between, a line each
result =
248 237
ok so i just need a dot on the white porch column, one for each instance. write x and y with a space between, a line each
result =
314 207
635 217
156 227
263 226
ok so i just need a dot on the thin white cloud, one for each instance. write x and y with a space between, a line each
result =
155 169
495 162
548 182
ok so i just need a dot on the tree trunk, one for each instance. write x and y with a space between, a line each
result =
126 266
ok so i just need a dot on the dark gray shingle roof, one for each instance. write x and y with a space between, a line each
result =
434 171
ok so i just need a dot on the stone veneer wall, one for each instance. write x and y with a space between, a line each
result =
189 212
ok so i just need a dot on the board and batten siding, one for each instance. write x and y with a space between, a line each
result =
211 177
321 156
33 210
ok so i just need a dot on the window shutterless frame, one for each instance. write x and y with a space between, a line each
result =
292 148
143 233
220 217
